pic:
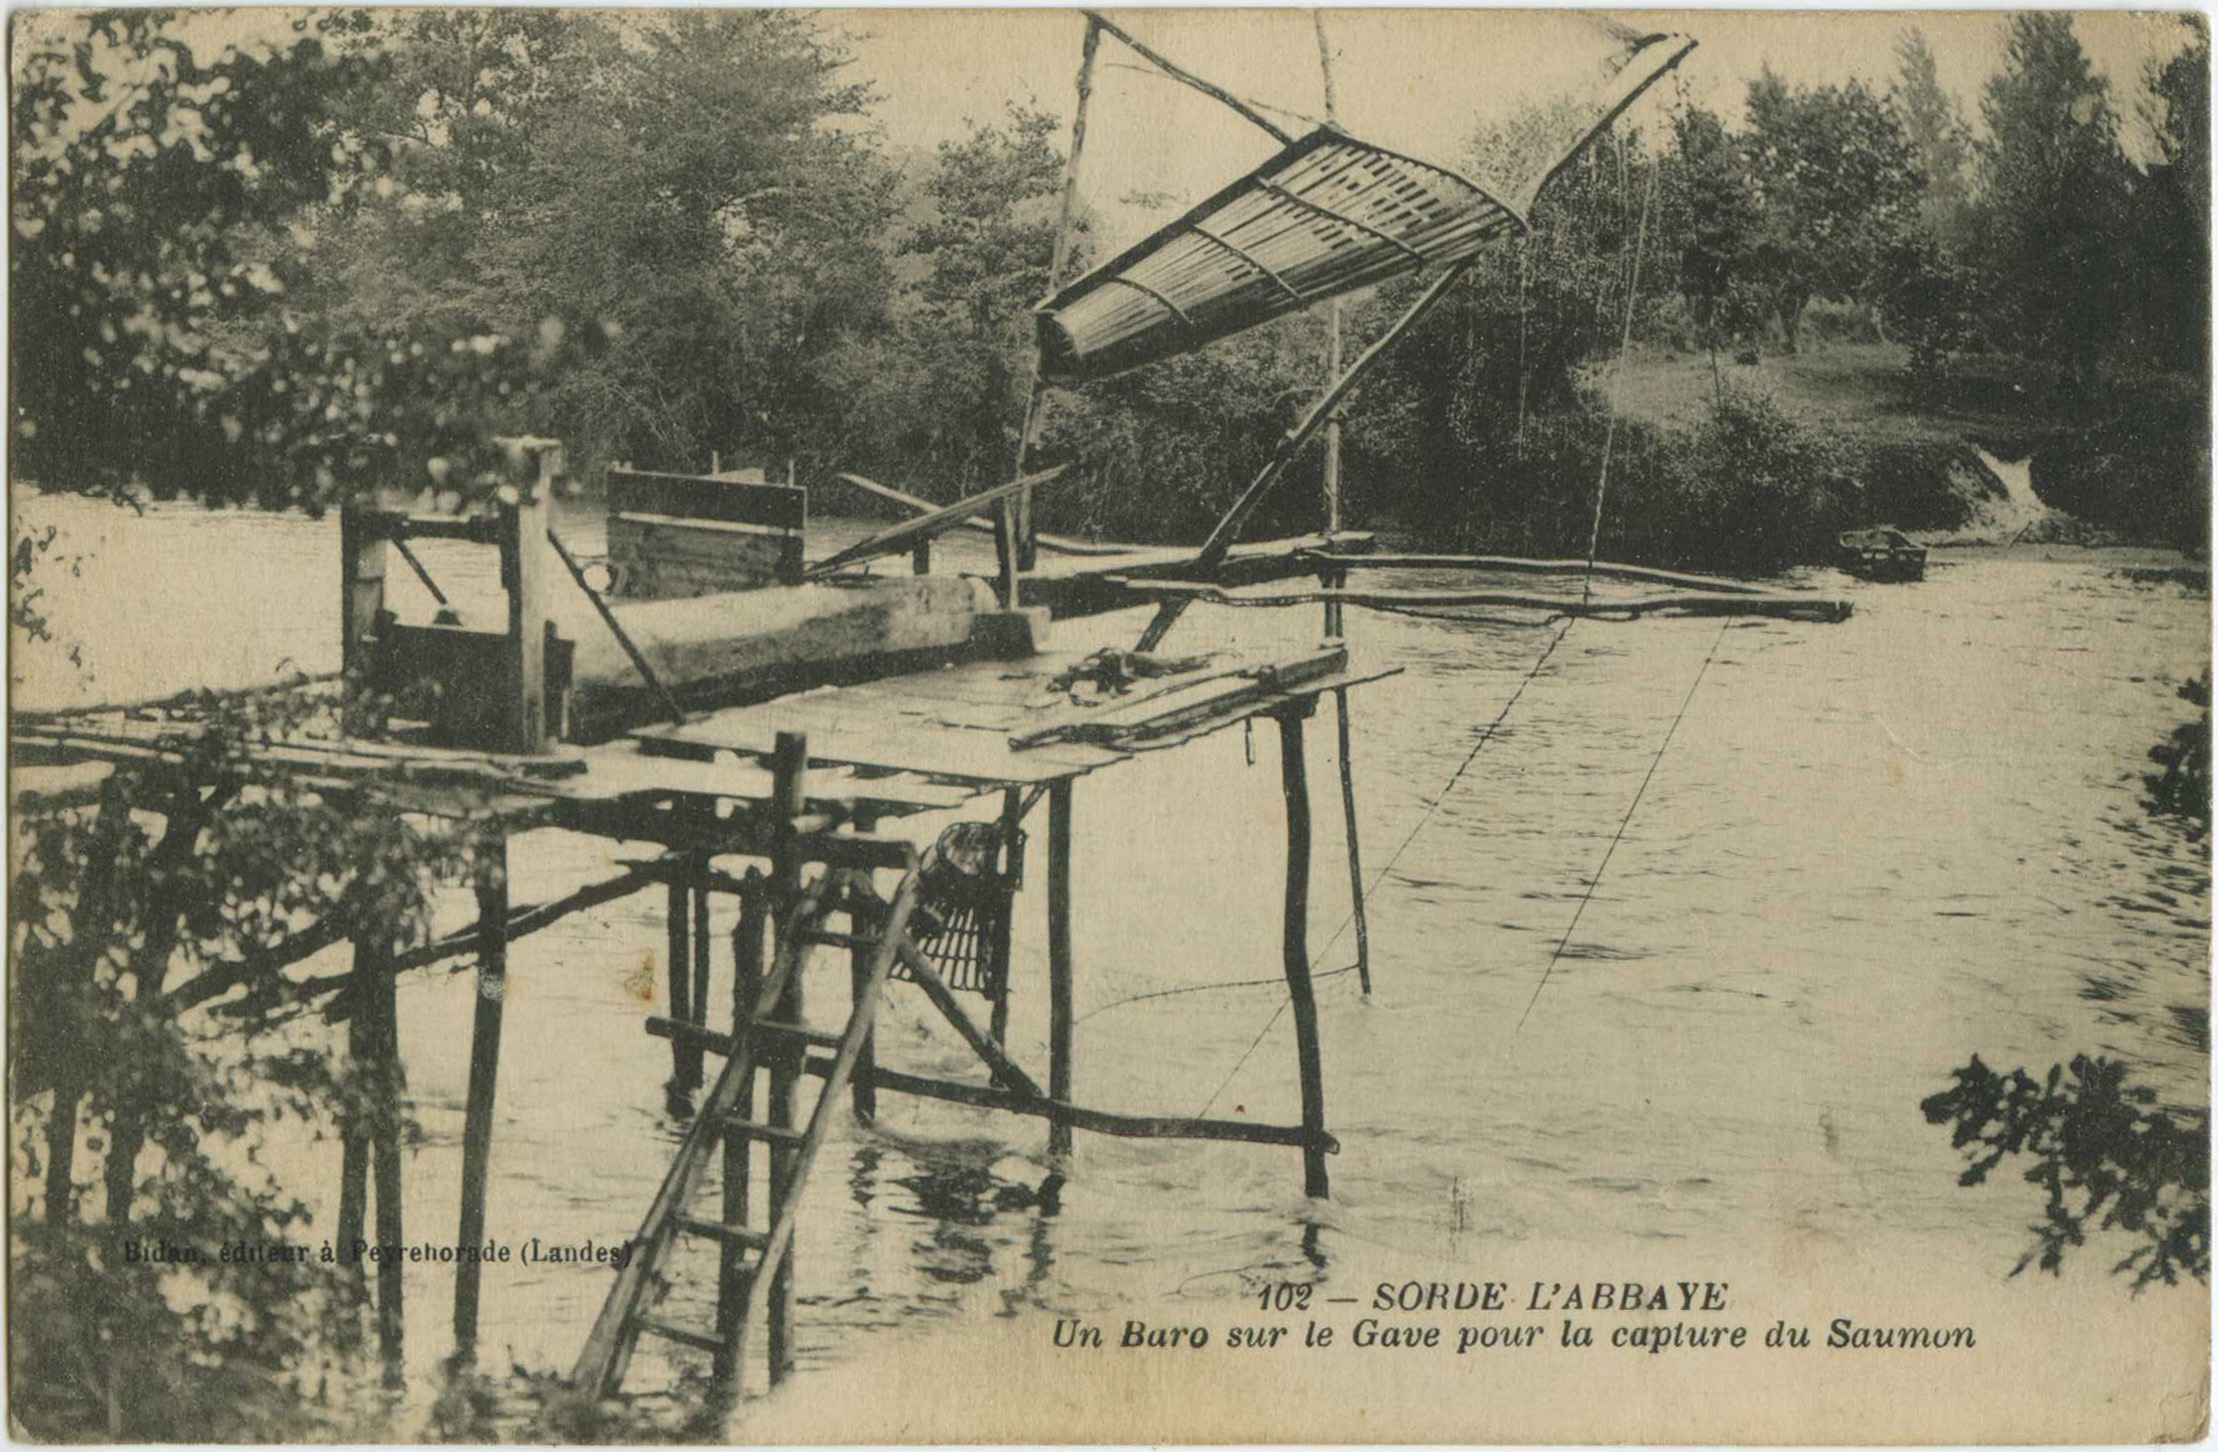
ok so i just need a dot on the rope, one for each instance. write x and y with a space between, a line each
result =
1596 880
1617 380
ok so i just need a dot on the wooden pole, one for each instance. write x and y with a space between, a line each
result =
1059 1022
485 1065
1178 73
1294 777
380 999
749 956
789 765
862 923
701 950
1012 868
354 1156
361 588
685 1063
1028 439
1227 532
1355 848
1333 625
524 571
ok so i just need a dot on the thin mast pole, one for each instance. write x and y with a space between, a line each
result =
1024 531
1179 73
1334 626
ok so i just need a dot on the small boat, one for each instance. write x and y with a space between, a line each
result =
1882 554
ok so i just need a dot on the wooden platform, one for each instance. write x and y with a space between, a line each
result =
921 742
968 725
1074 585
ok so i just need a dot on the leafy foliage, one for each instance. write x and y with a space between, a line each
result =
2055 188
2182 788
2102 1157
1836 179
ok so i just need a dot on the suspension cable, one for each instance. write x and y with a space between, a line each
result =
1617 382
1624 822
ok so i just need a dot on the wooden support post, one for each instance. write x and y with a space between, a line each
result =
749 957
373 961
524 571
920 558
1058 958
354 1155
685 1063
1355 848
701 949
1028 436
1294 777
789 767
485 1065
1334 627
863 923
1012 871
361 587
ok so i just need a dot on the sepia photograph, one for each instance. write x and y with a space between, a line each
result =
748 726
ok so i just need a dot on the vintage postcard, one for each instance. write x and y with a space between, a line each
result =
1124 726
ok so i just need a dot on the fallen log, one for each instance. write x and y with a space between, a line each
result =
1773 606
1518 565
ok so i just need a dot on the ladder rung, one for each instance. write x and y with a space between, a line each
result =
680 1334
730 1234
820 1038
740 1124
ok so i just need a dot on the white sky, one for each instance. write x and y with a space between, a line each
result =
1420 80
1417 79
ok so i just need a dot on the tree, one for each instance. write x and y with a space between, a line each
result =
1933 123
2056 188
984 236
2173 236
1835 178
688 175
1716 224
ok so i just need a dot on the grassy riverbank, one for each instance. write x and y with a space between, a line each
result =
2132 467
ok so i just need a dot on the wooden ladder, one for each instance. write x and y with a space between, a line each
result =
754 1263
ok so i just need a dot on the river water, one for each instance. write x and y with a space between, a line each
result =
1870 850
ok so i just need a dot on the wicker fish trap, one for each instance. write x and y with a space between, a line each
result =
963 905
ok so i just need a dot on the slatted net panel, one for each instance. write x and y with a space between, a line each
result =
1326 216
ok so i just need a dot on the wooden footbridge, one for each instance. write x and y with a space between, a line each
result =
918 697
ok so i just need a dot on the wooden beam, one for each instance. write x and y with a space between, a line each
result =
1822 609
1355 849
1094 1121
382 1007
927 978
1309 1056
361 586
1054 544
485 1064
1519 565
524 571
1228 528
1028 436
1179 73
901 536
677 932
790 764
750 955
862 922
1060 1025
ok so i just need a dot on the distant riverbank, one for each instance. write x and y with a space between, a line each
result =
2133 469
